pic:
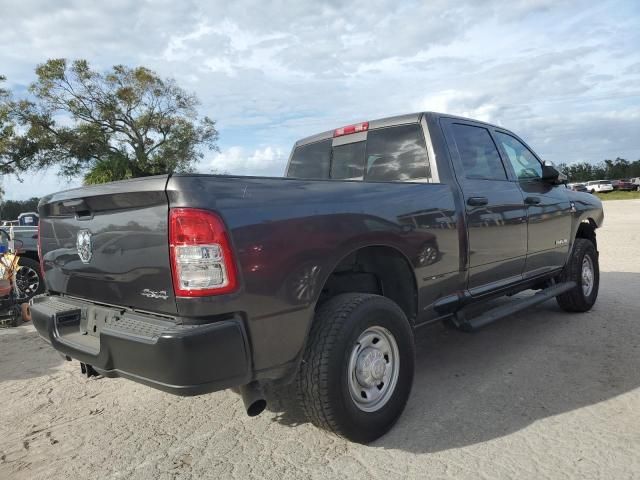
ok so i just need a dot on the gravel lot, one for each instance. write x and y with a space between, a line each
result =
542 395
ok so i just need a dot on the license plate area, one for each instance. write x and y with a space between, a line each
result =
95 318
70 327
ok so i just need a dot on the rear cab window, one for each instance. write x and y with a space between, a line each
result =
390 154
347 161
311 161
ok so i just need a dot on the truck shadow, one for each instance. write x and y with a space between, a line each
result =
24 355
471 388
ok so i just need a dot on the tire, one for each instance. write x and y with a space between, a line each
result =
16 316
327 384
584 295
29 278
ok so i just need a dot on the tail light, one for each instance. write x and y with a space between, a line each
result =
201 256
349 129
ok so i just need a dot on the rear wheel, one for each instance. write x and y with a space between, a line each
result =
583 269
357 369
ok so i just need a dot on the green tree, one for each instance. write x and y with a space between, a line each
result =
124 123
608 169
10 209
9 161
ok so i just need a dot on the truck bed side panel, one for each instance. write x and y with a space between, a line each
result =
289 235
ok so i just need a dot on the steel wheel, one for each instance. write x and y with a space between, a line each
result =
357 369
373 369
581 268
587 275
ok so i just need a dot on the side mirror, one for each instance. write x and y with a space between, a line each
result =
551 174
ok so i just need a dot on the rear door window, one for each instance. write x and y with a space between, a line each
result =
397 154
478 153
311 161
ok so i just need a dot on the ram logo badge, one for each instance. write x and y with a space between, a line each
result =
83 245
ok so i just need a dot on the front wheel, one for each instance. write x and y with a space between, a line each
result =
357 368
583 269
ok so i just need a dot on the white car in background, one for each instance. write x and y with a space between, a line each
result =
600 186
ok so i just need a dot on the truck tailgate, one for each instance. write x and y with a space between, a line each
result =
109 244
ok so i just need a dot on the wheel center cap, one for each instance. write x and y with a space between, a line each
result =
370 367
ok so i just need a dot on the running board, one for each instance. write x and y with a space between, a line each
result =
490 316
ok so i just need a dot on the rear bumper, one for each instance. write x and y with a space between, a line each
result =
180 359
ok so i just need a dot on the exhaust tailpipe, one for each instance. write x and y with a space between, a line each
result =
88 370
253 398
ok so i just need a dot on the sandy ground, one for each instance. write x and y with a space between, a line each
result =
542 395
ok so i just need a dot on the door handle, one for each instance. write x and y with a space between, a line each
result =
477 201
532 200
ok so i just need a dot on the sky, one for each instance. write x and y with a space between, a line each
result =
564 75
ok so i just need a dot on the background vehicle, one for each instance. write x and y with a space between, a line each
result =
316 282
635 182
623 185
600 186
28 219
577 187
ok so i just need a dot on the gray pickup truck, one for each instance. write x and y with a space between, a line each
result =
316 282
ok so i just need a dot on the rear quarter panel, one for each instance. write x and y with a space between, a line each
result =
289 234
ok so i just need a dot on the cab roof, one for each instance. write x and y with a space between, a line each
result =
387 122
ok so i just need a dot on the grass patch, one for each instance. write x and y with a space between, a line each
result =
618 195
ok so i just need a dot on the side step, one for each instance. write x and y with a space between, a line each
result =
490 316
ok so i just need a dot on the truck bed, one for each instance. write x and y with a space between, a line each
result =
288 235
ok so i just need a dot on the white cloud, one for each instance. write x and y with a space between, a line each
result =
461 103
268 161
563 74
181 47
